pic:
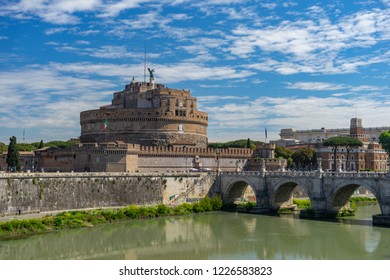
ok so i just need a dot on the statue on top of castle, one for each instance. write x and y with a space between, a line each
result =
151 71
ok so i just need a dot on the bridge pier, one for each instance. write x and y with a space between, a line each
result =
316 214
381 220
261 210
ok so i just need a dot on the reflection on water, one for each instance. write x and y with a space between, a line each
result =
213 236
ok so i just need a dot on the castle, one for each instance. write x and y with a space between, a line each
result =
148 128
148 114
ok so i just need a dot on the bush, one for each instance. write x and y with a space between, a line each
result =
249 205
206 204
163 209
77 219
147 212
302 203
183 209
197 207
217 202
132 212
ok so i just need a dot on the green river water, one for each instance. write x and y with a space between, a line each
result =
217 235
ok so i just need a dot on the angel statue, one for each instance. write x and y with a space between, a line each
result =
151 71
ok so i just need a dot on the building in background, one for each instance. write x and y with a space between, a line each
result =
291 137
370 156
27 160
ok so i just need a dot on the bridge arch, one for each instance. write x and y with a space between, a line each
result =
281 195
341 195
236 190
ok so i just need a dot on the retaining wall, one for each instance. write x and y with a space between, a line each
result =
41 192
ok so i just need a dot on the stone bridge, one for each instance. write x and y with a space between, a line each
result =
328 191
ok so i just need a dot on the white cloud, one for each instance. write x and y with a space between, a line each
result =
57 12
218 98
41 97
107 52
249 117
313 45
314 86
113 9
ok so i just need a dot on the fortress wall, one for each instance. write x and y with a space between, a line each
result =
180 164
41 192
194 151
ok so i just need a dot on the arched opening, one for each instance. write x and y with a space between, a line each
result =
240 192
356 201
290 197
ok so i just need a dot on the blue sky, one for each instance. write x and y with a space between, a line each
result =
251 64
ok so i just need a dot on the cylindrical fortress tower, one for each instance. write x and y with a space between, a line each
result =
147 114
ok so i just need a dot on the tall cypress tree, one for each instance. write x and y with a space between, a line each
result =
41 145
13 156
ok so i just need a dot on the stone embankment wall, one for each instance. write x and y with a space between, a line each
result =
42 192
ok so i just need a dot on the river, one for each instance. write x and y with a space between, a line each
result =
218 235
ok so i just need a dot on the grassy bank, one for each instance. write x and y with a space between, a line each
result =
354 203
79 219
302 203
349 210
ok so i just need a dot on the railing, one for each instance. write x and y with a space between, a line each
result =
311 174
93 174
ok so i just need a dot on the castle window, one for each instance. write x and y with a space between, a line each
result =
180 113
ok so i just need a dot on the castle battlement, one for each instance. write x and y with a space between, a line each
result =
194 151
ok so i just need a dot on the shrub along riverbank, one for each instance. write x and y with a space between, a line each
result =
348 210
354 203
79 219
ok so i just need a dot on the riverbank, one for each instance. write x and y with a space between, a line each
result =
81 218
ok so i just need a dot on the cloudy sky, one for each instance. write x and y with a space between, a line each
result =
251 64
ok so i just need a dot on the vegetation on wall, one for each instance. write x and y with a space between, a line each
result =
3 147
304 158
28 147
242 143
285 153
78 219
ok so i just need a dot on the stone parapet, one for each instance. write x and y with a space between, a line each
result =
194 151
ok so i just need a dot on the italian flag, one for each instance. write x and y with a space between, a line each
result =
105 124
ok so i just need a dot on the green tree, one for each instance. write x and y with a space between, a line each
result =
242 143
336 142
304 157
25 147
248 143
384 140
61 144
3 147
282 152
13 156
